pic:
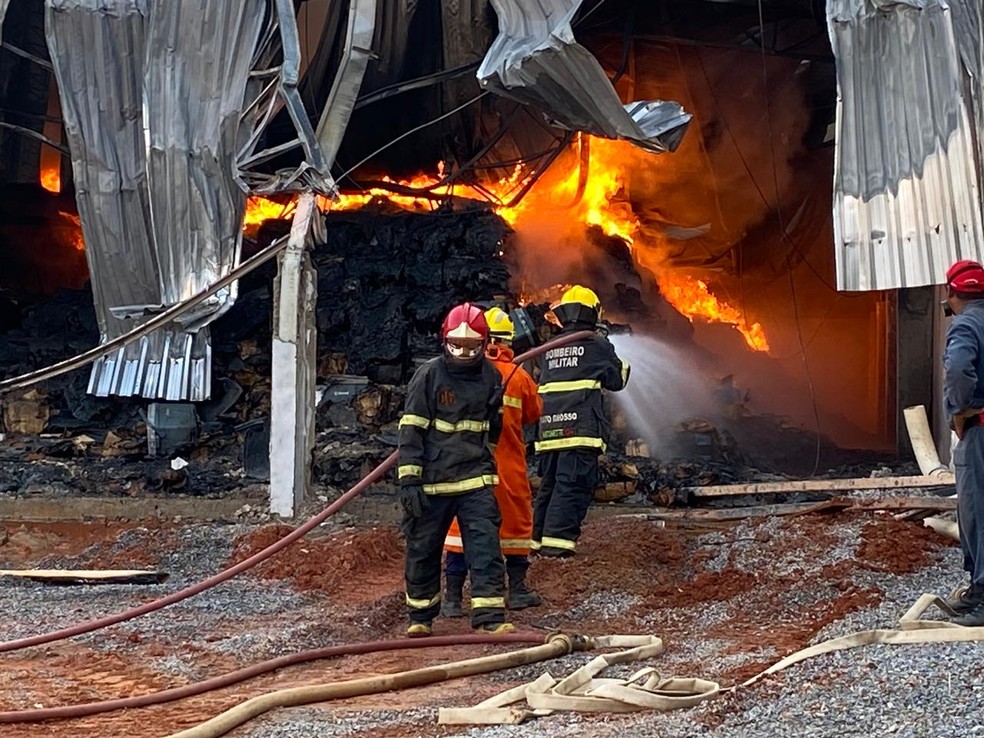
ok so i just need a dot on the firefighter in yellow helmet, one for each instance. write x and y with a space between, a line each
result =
521 405
573 427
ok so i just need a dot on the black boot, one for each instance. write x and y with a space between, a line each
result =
451 602
967 600
973 619
520 596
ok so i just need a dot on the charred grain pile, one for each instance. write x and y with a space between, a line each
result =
386 277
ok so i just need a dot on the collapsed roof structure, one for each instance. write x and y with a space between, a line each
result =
163 166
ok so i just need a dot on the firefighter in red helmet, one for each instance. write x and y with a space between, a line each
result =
521 405
450 424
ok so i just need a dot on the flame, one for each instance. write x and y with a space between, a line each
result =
597 205
691 297
76 222
51 179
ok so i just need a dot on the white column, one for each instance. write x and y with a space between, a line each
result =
295 293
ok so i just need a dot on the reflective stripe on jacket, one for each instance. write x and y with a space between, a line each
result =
571 381
450 417
521 405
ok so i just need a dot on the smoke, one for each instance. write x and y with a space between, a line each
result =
665 389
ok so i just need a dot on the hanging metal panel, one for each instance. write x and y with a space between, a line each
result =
198 61
906 192
536 60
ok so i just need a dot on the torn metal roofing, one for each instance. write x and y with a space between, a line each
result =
192 107
906 189
101 99
164 105
536 60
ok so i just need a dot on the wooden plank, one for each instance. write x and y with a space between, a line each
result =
930 505
822 486
935 504
733 513
88 576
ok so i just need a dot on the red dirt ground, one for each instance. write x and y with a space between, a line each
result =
362 571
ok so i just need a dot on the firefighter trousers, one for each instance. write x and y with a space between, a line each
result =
567 482
968 465
479 519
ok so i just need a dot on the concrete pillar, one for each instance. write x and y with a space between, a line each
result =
295 339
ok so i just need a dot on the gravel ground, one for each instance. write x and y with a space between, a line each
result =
877 690
213 618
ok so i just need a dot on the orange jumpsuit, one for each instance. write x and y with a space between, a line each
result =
521 405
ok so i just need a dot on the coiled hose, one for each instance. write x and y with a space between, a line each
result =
374 476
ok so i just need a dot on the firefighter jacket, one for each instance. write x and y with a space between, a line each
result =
521 405
451 416
571 380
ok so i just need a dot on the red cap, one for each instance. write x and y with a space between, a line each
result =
966 276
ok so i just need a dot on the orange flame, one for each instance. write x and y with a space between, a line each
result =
76 221
51 179
598 205
691 297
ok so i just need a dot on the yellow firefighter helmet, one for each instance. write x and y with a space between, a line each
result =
578 305
500 326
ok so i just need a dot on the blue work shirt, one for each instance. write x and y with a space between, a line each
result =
963 361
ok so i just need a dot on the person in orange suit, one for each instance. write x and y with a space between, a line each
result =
521 405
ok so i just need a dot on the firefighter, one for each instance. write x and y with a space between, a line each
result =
963 395
447 469
521 405
573 427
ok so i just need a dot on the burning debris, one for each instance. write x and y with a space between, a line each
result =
386 276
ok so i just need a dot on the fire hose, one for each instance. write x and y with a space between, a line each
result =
556 646
250 672
374 476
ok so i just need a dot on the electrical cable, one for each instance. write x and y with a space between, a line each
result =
765 200
402 136
782 230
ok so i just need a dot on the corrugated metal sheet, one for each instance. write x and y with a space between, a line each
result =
536 60
970 40
198 60
152 94
906 194
101 98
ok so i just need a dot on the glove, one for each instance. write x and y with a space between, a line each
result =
413 500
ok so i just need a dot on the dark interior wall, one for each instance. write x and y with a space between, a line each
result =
24 89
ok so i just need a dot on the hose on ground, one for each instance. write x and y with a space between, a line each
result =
557 646
374 476
240 675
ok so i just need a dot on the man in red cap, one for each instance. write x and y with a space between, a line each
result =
963 395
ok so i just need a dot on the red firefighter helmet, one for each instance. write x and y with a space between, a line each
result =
465 333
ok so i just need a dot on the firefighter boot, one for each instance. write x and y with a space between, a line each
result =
451 604
495 628
973 619
520 596
419 630
962 602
